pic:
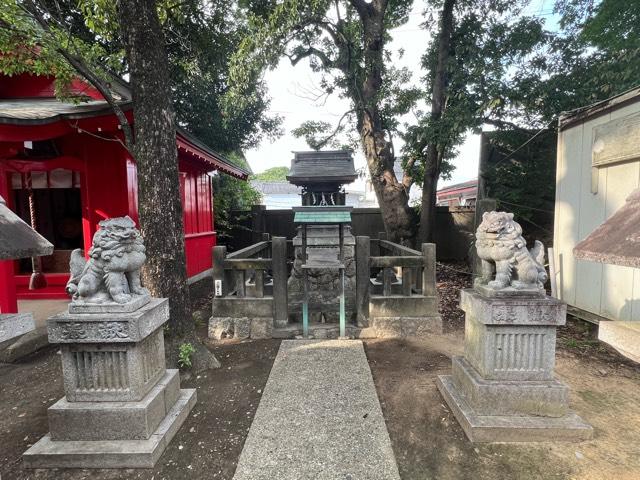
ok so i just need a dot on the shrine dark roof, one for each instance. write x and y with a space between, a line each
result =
617 240
328 166
19 240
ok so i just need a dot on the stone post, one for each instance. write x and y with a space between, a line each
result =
363 280
280 278
429 270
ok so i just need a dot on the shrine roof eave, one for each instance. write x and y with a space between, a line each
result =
328 179
207 157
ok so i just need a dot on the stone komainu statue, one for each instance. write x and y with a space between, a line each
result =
499 241
112 272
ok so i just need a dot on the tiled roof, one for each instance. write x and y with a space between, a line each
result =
47 110
322 166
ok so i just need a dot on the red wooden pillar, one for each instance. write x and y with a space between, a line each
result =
8 299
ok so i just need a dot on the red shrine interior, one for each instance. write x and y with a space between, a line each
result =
77 171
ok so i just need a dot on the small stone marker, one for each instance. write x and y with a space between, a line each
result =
503 388
121 406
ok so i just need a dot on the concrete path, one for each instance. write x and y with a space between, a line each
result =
319 418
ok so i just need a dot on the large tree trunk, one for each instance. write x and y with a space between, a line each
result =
392 195
435 152
159 205
393 198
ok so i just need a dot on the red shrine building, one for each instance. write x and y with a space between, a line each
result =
68 161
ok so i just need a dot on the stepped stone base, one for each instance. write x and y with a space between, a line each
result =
507 397
511 428
48 453
114 420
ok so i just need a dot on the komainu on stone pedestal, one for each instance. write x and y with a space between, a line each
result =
121 406
111 276
501 246
503 389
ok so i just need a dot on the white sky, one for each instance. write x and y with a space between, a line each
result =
288 87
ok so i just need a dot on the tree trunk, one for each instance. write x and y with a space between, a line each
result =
435 152
393 197
159 204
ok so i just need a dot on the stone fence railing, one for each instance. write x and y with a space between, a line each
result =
399 299
395 290
250 290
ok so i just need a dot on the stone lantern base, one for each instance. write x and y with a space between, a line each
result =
121 406
503 389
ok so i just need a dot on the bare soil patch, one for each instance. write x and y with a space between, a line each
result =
207 446
430 444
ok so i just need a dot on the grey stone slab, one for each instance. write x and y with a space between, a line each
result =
47 453
503 397
112 372
510 428
319 418
401 306
401 327
623 336
513 310
242 328
108 327
261 327
510 352
114 420
509 292
137 301
242 307
14 325
25 345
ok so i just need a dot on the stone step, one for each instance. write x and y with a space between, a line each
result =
114 420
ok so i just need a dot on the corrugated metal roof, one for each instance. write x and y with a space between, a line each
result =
617 240
322 167
582 114
19 240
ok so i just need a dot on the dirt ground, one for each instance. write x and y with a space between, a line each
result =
206 447
427 440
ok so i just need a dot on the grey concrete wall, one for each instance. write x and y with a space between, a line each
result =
454 232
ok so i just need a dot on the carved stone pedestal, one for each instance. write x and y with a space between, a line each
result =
121 406
503 389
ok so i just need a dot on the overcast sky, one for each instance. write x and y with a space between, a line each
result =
291 90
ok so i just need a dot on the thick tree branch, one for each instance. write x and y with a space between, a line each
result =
80 66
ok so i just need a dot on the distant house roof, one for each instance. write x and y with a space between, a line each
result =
599 108
468 185
275 188
328 166
17 239
617 240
